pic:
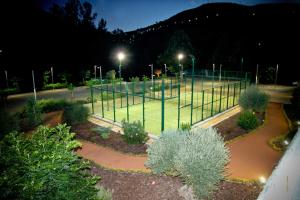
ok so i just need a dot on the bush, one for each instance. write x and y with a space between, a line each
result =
161 153
32 114
44 166
185 126
50 105
199 156
134 132
104 132
8 123
201 160
55 86
296 101
104 194
247 120
75 113
253 99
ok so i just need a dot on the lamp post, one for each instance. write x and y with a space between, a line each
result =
276 74
33 83
213 75
51 69
120 56
95 66
151 65
220 73
165 69
6 78
100 73
180 57
256 75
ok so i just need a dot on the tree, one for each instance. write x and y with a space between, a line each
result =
178 43
72 10
46 77
111 75
87 17
157 72
102 25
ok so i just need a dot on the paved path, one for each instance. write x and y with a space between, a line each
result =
251 156
109 158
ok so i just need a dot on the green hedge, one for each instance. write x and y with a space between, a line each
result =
55 86
247 120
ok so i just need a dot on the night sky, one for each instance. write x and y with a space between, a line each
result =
132 14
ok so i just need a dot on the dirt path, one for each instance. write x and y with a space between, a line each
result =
109 158
251 156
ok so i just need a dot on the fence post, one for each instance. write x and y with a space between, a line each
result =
212 102
202 105
102 105
121 92
127 102
178 121
107 102
114 101
228 87
233 94
163 105
220 98
154 88
192 96
92 97
171 86
185 91
144 86
132 92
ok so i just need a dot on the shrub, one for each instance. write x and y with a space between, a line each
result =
104 132
8 123
75 113
185 126
201 160
104 194
55 86
50 105
44 166
253 99
33 115
199 156
161 152
296 101
134 132
247 120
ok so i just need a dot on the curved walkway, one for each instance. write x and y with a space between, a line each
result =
251 156
109 158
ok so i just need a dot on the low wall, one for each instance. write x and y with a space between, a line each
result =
284 183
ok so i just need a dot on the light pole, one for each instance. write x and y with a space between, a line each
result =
120 56
151 65
95 66
256 75
33 83
220 73
180 57
213 75
52 75
100 73
6 77
276 74
165 69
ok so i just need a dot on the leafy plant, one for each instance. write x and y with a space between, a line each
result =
253 99
8 123
75 113
185 126
50 105
161 152
104 194
247 120
104 132
46 76
33 115
145 78
44 166
198 156
111 75
134 133
134 79
54 86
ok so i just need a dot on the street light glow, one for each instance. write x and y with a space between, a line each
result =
180 56
121 56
